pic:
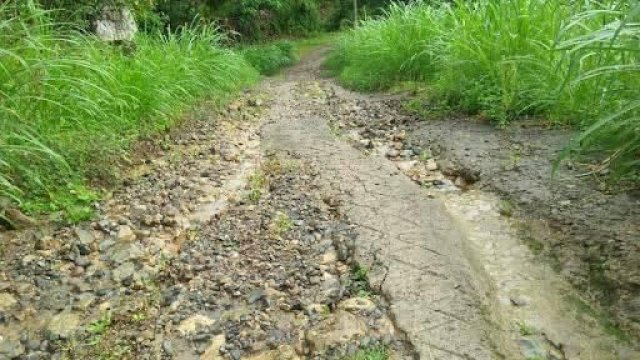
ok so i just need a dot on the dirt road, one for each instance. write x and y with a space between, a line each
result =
274 230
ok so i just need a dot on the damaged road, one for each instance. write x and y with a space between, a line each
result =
283 228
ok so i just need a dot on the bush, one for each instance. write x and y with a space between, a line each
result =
269 59
70 104
505 60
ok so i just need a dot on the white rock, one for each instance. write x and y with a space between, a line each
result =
115 24
191 325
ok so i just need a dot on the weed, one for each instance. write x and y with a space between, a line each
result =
525 329
282 224
374 353
360 273
257 183
98 328
425 155
360 281
506 208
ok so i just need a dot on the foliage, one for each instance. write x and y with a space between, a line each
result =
70 105
374 353
269 59
570 62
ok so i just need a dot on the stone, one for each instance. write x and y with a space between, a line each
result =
10 349
338 329
357 304
7 301
193 324
167 346
124 271
329 257
431 165
405 166
283 352
84 237
121 253
213 350
84 301
115 24
62 326
126 234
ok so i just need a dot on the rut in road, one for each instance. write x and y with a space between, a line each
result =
273 230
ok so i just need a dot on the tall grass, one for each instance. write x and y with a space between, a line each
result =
69 104
570 62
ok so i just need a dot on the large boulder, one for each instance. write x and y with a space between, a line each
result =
115 24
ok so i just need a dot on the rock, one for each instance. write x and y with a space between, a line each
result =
84 237
431 165
62 326
115 24
10 349
357 304
405 166
336 330
18 220
125 252
518 301
255 296
532 349
84 301
229 152
125 234
167 346
7 301
329 257
193 324
283 352
213 350
393 153
124 272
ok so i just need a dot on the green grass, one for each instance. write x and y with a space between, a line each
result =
375 353
572 63
268 59
70 106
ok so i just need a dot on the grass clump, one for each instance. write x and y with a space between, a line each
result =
374 353
269 59
70 105
573 63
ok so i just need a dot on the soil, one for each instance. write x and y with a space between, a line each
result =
588 232
304 221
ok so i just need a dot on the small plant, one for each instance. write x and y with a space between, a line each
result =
282 223
506 208
374 353
360 273
257 183
98 328
425 155
139 317
525 329
360 281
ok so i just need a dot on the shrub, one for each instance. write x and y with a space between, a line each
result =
269 59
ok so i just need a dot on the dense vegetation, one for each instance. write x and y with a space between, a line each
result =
70 104
573 63
244 20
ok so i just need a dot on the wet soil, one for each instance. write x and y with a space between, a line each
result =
588 232
303 221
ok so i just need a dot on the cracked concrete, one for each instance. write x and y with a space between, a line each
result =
414 250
